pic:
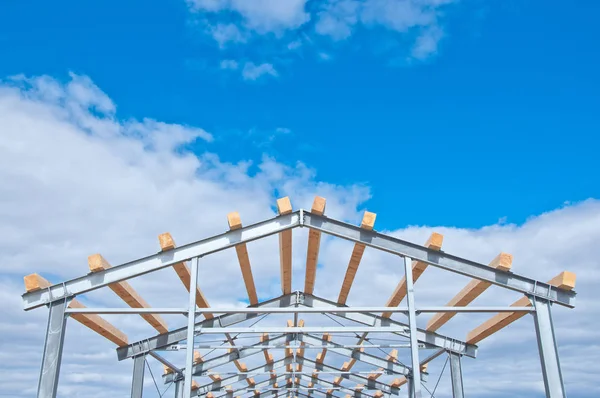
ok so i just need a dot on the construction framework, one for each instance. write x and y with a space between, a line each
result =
287 368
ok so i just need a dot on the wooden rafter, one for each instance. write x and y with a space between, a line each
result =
565 280
242 253
183 272
314 244
284 206
95 322
367 223
124 290
321 356
418 267
392 357
348 365
264 338
470 292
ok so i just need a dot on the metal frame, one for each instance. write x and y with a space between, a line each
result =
57 296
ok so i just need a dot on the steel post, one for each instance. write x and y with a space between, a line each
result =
553 381
137 382
189 353
179 388
412 324
55 336
456 375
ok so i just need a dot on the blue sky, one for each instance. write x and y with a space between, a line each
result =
499 122
474 119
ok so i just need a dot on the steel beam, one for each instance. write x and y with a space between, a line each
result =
456 375
179 389
55 336
329 383
423 336
189 354
412 322
162 341
553 381
439 259
308 329
161 260
361 356
137 381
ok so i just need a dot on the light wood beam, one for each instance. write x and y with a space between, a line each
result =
392 357
124 290
95 322
242 253
284 206
418 267
470 292
321 356
565 280
183 272
346 366
367 223
264 338
314 244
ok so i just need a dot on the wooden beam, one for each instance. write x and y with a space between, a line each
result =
321 355
242 253
565 280
264 338
314 244
392 357
183 272
470 292
348 365
284 206
95 322
124 290
418 267
367 223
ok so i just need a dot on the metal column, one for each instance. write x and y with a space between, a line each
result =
189 354
179 388
456 375
553 381
137 382
415 390
55 336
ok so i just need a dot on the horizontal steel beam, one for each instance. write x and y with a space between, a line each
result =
291 310
310 378
439 259
161 260
163 341
313 329
423 336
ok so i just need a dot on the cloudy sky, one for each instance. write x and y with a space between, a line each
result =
475 119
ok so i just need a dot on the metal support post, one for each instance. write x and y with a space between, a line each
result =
456 375
412 323
189 354
55 336
137 382
179 388
553 381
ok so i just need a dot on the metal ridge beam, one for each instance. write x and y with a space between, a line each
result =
423 336
439 259
175 336
160 260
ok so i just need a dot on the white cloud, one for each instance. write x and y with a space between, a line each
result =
229 64
240 21
75 180
253 71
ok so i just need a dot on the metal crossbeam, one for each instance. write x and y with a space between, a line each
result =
423 336
161 260
439 259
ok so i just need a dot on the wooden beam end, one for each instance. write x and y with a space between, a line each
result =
166 242
435 241
35 282
97 263
565 280
368 220
234 220
284 206
318 206
503 262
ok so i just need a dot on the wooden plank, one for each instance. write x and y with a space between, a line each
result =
242 253
392 357
183 272
264 338
321 355
367 223
418 267
94 322
314 244
346 366
565 280
284 206
470 292
124 290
